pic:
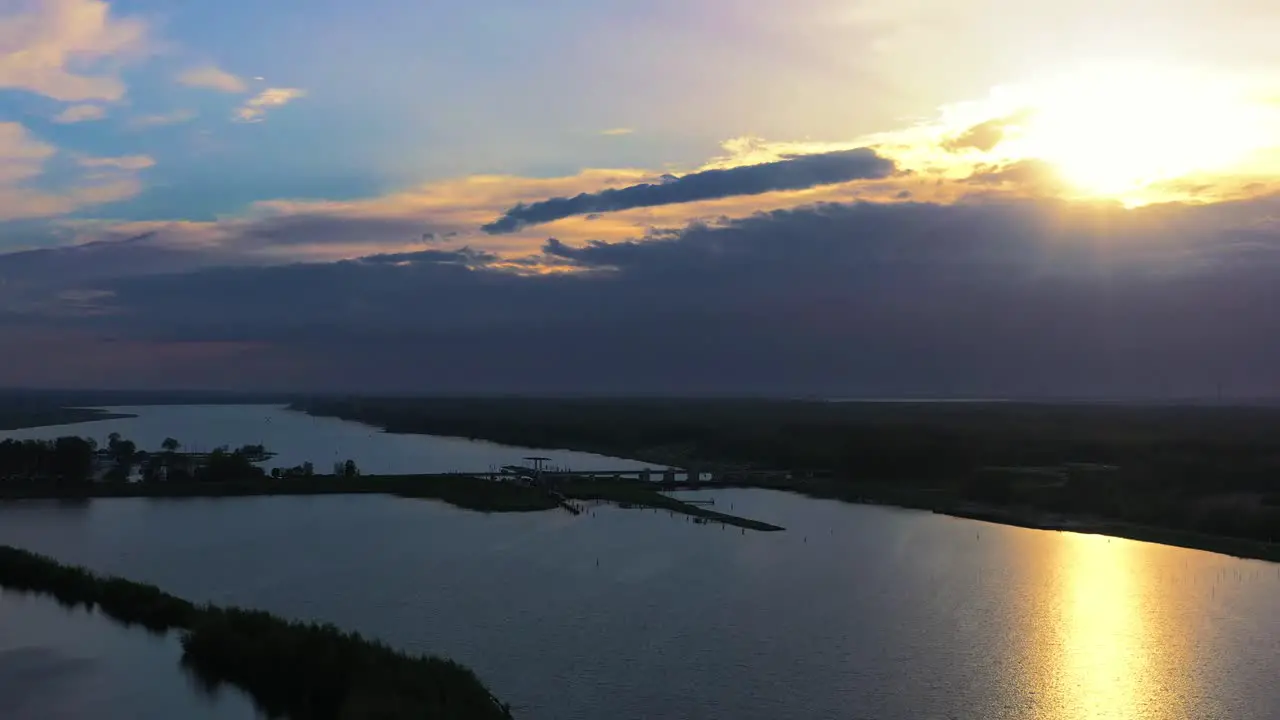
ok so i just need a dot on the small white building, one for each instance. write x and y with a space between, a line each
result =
104 462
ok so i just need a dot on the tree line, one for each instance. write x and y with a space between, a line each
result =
290 669
72 461
66 460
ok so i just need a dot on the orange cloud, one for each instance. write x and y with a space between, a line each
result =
44 47
256 107
963 152
212 78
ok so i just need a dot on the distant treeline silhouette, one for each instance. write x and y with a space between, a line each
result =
67 460
1202 468
72 461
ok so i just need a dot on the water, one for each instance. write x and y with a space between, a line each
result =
853 612
297 437
58 664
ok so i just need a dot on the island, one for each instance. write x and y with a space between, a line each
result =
74 467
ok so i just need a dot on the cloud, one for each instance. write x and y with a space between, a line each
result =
23 194
80 113
986 135
213 78
159 120
448 214
1034 177
286 234
792 173
256 107
61 48
78 267
615 132
21 155
123 162
982 297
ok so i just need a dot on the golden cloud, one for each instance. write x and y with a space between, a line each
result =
256 107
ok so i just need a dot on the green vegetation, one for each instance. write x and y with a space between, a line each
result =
69 463
468 492
65 463
226 465
297 670
128 602
1199 470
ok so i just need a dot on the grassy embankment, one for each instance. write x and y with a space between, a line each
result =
639 494
304 671
1036 520
952 501
946 502
1199 476
17 417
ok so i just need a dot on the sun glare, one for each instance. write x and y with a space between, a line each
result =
1111 131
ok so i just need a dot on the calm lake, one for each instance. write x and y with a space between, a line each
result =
855 612
57 664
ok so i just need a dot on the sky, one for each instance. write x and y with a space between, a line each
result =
1007 198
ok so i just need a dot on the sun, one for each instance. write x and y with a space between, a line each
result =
1113 130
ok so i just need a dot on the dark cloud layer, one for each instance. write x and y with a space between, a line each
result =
1009 298
793 173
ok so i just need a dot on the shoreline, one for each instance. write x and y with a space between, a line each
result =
287 667
1029 518
461 491
58 417
1187 475
1241 548
485 496
411 486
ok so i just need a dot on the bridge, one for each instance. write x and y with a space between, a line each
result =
665 478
